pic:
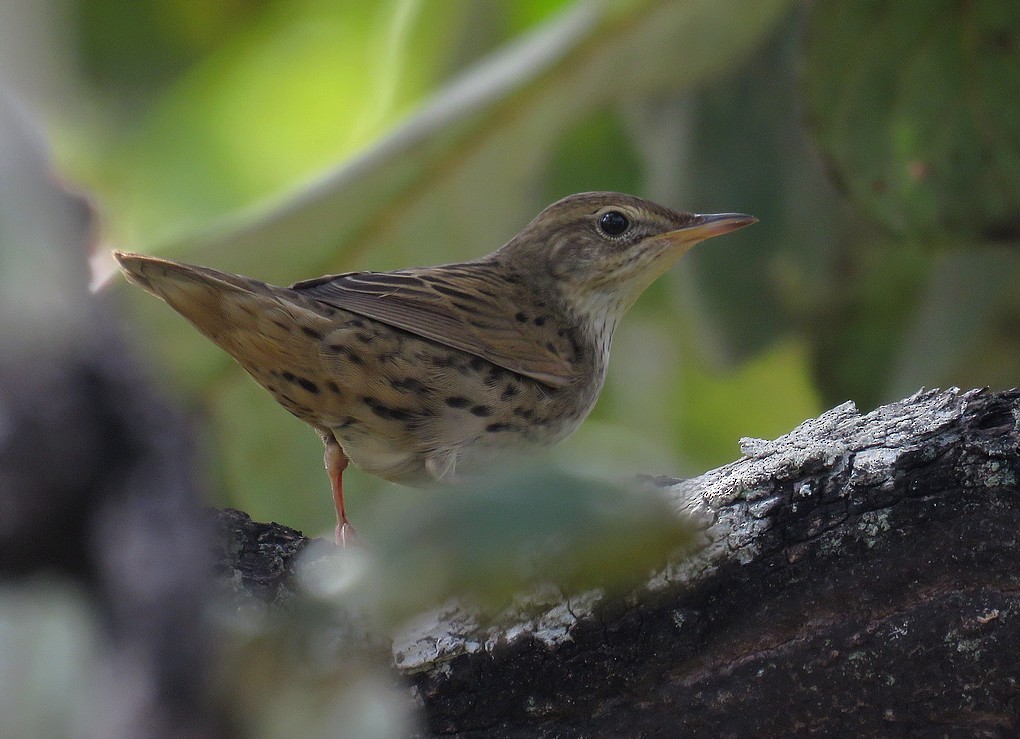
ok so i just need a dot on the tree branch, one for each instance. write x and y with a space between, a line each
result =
857 574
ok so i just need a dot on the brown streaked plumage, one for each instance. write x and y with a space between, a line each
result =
418 374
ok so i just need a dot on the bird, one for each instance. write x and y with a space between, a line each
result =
430 374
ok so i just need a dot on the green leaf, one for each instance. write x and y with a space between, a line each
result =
499 536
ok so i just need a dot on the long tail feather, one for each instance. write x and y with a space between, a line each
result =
238 313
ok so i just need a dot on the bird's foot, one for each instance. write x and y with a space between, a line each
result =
344 534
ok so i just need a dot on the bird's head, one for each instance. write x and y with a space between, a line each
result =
603 249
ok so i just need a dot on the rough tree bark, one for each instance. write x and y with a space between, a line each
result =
858 575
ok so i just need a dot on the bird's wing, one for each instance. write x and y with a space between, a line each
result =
461 306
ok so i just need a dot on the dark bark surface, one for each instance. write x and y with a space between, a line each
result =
859 575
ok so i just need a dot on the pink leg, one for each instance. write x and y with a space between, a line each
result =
336 462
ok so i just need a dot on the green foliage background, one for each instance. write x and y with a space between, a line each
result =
878 142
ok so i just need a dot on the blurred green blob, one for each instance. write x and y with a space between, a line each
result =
492 538
50 648
597 154
523 14
318 79
866 317
130 50
914 105
765 397
291 676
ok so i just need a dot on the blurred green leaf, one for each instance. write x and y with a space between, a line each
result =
292 676
301 84
496 537
914 104
509 109
764 397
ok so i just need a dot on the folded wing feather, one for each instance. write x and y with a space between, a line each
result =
457 306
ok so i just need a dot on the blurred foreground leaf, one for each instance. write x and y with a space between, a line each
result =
49 638
493 539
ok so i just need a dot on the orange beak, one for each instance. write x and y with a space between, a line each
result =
706 226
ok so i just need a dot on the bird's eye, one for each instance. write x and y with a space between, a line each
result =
613 223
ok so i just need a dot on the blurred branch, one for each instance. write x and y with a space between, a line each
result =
855 574
97 493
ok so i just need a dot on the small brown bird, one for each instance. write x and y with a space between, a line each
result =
418 374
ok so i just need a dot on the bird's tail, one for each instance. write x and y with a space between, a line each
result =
173 281
247 318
